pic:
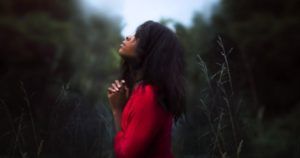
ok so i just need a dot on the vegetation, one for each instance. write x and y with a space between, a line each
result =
242 73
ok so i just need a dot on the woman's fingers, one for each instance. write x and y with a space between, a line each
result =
115 87
118 83
111 90
122 81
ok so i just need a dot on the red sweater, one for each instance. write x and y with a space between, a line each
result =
145 127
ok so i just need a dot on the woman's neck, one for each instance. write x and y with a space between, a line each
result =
136 72
138 76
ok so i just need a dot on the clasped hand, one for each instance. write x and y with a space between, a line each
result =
117 94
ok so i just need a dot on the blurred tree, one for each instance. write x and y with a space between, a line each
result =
54 61
264 67
266 35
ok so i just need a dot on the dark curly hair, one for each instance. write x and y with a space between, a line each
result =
159 61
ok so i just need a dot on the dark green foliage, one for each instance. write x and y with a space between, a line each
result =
56 64
266 34
264 66
48 48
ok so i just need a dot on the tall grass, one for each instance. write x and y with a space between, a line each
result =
211 127
218 103
219 106
75 128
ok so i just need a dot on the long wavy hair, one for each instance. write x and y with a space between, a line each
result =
159 61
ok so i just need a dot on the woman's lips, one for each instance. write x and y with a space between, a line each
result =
122 44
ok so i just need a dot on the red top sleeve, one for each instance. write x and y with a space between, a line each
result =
141 120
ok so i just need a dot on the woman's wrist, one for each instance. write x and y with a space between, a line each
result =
116 110
117 118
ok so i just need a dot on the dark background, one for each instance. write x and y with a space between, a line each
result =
243 78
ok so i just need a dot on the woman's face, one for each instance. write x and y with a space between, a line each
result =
127 48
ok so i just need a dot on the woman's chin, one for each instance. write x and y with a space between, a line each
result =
121 53
124 54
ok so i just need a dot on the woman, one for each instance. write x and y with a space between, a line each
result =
150 93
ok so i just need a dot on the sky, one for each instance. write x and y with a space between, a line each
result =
134 12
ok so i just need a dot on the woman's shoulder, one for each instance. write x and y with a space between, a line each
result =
145 99
146 89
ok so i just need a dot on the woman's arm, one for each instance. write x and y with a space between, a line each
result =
117 95
117 119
